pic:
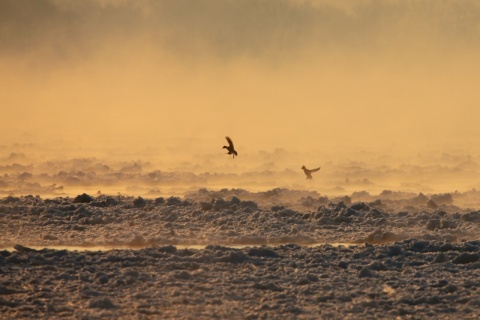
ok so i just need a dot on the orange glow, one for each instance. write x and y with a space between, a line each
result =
324 81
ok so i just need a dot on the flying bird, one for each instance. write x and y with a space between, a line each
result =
308 172
230 148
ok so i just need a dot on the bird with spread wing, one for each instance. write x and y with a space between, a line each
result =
230 148
308 172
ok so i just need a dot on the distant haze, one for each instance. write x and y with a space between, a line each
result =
385 76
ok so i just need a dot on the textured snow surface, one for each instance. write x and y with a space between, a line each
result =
264 255
420 279
230 217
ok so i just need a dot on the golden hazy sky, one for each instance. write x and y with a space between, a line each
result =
291 74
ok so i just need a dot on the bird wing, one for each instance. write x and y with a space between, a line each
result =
315 170
230 142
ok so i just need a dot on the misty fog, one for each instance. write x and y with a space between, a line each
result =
381 94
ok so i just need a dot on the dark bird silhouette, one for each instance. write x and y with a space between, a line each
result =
230 148
308 172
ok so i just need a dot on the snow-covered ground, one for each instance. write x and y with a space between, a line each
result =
407 279
232 217
272 254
